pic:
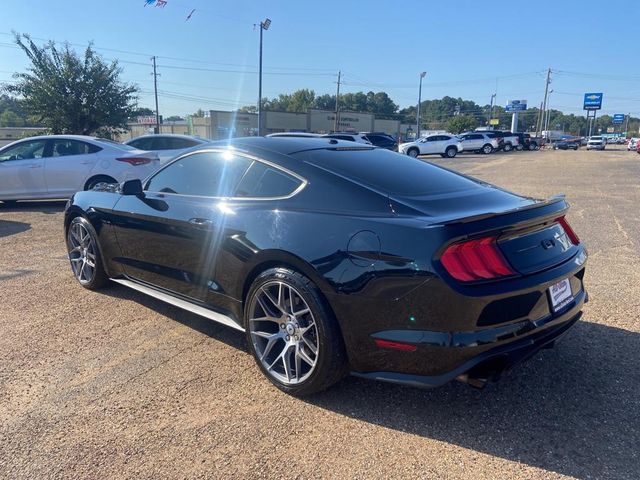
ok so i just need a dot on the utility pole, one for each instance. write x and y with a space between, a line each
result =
155 91
626 125
493 97
544 103
263 26
422 75
336 121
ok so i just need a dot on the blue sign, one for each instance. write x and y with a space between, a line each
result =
516 106
618 118
592 101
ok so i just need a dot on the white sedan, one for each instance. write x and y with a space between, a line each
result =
440 144
166 145
57 166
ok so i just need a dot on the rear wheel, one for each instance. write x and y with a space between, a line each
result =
413 152
292 333
451 152
487 149
82 247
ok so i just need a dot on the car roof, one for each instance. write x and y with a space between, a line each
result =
288 145
169 135
68 137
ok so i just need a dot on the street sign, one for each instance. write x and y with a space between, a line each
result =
610 129
618 119
494 121
592 101
516 106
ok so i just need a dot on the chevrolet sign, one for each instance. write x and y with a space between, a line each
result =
592 101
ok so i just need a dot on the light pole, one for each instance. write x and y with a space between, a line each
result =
548 113
493 97
422 75
263 26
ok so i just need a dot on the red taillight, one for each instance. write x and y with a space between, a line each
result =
478 259
407 347
135 160
568 230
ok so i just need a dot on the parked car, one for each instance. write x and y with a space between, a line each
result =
382 140
631 145
596 142
56 166
478 142
525 142
166 145
444 145
294 135
349 137
566 145
509 142
415 274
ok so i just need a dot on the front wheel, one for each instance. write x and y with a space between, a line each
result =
84 255
451 152
292 333
413 152
487 149
508 147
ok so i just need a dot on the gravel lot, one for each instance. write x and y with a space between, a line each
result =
117 385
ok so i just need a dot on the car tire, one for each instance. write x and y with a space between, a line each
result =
413 152
519 148
84 254
93 181
293 334
487 149
451 152
507 147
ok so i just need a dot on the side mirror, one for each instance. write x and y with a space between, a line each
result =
132 187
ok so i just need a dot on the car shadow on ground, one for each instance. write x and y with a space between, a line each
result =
9 227
573 410
41 206
231 337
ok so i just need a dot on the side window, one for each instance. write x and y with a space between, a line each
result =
445 137
264 181
475 136
432 139
24 150
141 143
208 174
64 148
176 143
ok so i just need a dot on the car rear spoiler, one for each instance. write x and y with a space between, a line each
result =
556 199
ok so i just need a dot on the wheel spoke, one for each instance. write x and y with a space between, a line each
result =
286 362
310 344
272 300
303 355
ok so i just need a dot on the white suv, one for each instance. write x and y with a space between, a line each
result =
447 146
350 137
596 143
479 142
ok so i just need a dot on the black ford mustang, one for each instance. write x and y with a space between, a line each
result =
338 258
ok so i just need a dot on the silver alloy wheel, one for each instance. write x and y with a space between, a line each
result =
283 332
487 149
413 153
451 152
82 253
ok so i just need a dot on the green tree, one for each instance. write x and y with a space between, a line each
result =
461 123
71 94
9 118
174 118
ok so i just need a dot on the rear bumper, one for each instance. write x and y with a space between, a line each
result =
477 356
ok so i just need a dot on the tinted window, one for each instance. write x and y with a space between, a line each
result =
343 137
24 150
210 174
389 172
474 136
63 148
262 180
432 139
181 143
141 143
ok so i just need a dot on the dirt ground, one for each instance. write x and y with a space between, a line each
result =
113 384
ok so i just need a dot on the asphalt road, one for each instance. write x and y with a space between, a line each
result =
113 384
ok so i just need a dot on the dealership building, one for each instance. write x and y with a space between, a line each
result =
217 124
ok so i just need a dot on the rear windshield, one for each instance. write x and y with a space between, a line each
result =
389 172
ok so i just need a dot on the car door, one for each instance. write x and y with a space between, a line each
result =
428 145
22 170
473 141
67 165
169 236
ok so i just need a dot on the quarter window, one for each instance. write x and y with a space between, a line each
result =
207 174
264 181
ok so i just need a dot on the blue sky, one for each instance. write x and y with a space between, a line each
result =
469 48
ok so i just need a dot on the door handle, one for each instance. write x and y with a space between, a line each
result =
201 222
35 166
